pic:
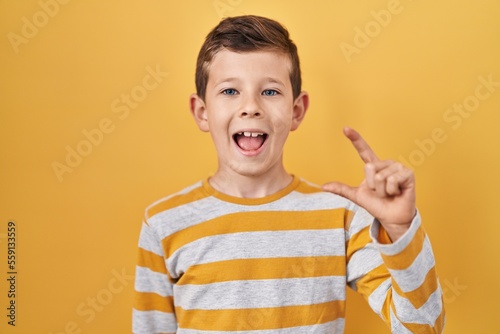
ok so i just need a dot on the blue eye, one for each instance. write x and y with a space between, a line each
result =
229 91
269 92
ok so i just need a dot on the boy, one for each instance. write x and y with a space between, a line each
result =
254 249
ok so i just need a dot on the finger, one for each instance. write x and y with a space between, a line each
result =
399 181
370 175
383 174
393 185
389 180
372 168
341 189
364 150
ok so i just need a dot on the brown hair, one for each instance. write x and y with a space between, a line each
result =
245 34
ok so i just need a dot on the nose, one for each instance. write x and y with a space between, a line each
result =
250 108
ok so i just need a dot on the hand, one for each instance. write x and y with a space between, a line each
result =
387 192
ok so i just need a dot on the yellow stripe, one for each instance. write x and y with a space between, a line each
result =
152 261
192 196
148 301
251 201
386 308
269 268
260 318
368 283
305 188
406 257
358 241
383 237
419 296
253 222
349 215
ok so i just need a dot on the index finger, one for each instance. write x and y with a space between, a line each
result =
364 150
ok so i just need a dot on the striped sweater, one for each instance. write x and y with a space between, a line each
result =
212 263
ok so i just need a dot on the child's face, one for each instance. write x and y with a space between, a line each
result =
249 110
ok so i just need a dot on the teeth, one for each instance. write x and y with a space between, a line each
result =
251 134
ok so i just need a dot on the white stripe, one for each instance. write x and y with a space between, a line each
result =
362 262
361 220
401 243
427 314
147 322
260 293
196 212
397 326
250 245
377 298
149 241
413 277
186 215
298 201
332 327
151 281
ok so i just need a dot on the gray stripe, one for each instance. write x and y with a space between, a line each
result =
193 213
377 297
401 243
427 314
150 281
413 277
362 262
361 219
260 293
149 241
397 326
147 322
249 245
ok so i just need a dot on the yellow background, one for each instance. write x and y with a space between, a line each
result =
77 232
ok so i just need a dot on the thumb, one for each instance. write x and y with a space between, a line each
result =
341 189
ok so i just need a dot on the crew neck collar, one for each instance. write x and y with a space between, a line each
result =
251 201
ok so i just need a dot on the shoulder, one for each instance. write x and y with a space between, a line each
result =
178 199
312 194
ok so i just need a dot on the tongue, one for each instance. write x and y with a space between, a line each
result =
250 143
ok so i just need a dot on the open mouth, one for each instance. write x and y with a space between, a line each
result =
250 141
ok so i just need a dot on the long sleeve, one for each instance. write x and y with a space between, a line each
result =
153 310
399 279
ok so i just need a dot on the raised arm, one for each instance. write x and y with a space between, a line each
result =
390 258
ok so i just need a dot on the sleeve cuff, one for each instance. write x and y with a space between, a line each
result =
377 230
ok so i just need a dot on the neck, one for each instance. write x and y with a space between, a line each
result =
249 186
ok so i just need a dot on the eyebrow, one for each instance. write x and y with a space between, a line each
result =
266 80
273 80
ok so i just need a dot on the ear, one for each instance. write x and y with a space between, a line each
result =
300 107
199 112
